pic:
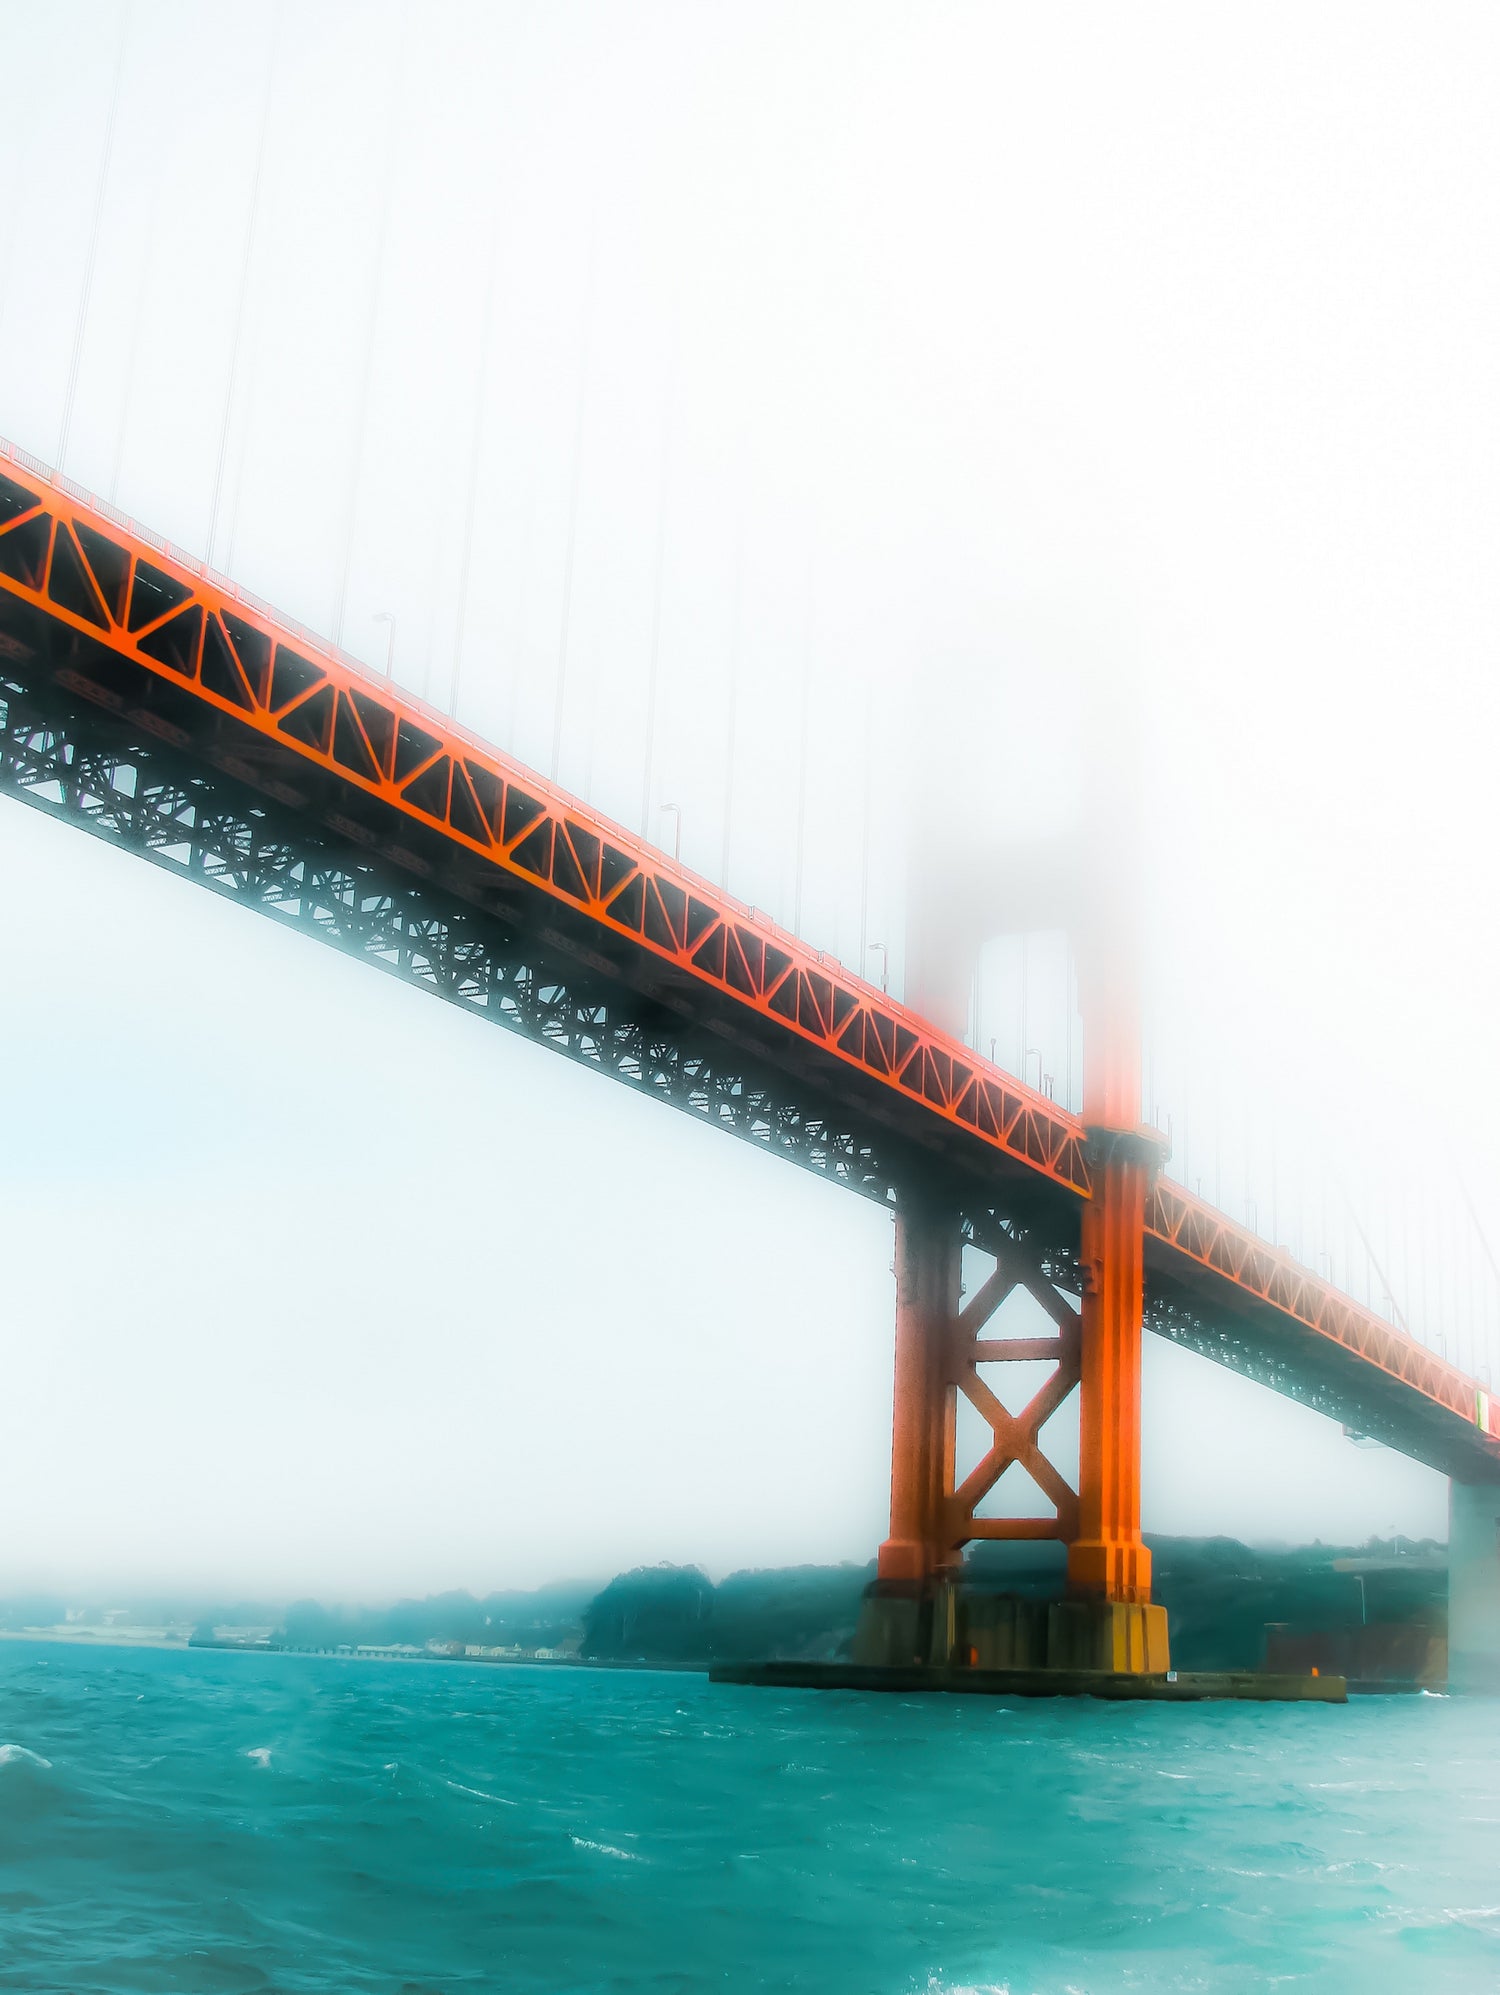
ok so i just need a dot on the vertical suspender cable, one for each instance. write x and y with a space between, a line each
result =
132 351
21 124
802 753
734 688
251 222
481 384
435 574
864 842
1484 1240
523 593
1375 1269
654 663
88 268
249 432
567 602
1275 1214
363 400
1470 1297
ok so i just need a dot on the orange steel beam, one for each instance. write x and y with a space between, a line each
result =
929 1256
939 1349
278 707
1201 1258
120 618
1107 1556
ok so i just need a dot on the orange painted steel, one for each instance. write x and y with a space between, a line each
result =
940 1347
929 1257
284 691
142 630
1210 1257
1107 1556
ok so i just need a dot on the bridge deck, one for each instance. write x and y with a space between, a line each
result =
268 758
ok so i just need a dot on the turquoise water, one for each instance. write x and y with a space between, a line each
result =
223 1823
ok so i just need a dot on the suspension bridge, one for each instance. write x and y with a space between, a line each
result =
150 701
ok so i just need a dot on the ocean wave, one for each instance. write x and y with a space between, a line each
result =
606 1849
478 1793
936 1987
9 1754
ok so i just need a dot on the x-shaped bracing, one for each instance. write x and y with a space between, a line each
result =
1014 1436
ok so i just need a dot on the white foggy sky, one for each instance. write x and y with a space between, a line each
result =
978 353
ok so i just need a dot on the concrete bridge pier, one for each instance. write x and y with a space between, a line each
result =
1474 1587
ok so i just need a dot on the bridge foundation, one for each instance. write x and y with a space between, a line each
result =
1474 1587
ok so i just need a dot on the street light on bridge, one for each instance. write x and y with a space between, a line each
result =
388 617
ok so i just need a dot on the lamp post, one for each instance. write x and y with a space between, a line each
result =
676 827
387 617
885 964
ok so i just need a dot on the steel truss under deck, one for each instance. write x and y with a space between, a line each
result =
135 793
156 705
79 764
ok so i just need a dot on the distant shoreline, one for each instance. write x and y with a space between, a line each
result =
87 1638
1377 1611
108 1639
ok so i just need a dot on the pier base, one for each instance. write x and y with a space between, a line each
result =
1474 1587
1165 1687
949 1626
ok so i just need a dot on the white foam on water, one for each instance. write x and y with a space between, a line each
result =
478 1793
260 1754
936 1987
608 1849
9 1754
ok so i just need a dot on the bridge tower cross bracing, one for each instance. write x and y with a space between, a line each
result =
941 1343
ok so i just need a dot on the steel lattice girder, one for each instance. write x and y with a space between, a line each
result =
1291 1324
157 634
635 966
132 795
77 764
